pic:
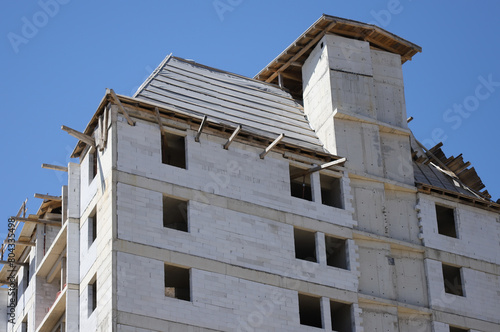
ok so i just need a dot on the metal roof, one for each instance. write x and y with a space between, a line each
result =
262 108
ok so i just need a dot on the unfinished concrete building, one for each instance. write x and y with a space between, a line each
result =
297 200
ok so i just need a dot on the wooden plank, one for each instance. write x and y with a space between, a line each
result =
158 119
302 51
271 146
118 102
233 136
25 243
14 263
318 168
200 129
38 221
49 197
55 167
81 136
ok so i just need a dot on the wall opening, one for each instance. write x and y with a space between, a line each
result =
92 164
446 221
310 311
92 226
177 282
305 245
341 316
458 329
175 214
300 186
452 276
336 253
173 150
92 294
331 193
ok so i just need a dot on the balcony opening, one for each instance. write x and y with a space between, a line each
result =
173 150
331 193
310 311
305 245
341 316
175 214
336 253
300 185
452 276
177 282
446 221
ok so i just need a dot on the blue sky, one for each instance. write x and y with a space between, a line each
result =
59 56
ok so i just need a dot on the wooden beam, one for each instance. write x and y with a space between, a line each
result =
202 125
318 168
158 119
271 146
25 243
55 167
302 51
119 103
14 263
38 221
81 136
233 136
52 198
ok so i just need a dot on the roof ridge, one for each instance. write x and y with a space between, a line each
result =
153 74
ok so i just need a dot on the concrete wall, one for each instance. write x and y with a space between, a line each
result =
478 230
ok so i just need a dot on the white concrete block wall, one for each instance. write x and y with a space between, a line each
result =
237 173
46 295
481 301
218 302
4 300
90 187
222 234
478 230
73 190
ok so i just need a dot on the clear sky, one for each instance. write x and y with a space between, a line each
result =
59 56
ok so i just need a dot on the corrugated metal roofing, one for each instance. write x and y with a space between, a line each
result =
229 98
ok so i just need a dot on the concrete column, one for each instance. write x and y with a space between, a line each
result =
315 187
320 248
325 314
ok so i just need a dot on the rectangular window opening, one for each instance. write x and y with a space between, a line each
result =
331 193
92 294
310 311
175 214
92 225
305 245
446 221
341 316
300 185
173 150
177 282
336 252
458 329
92 164
453 280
